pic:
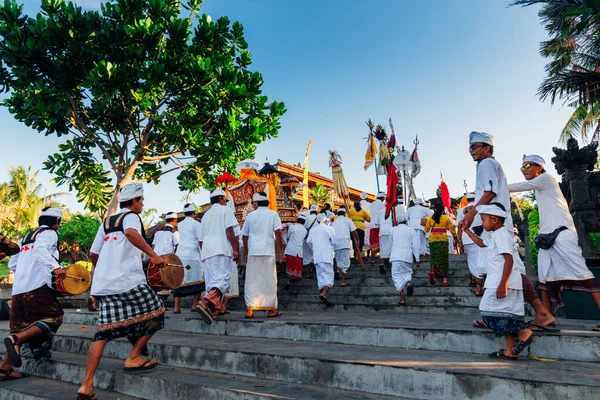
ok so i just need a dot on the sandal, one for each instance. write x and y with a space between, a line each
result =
205 314
13 357
324 300
402 303
541 328
8 376
337 276
431 278
277 314
344 284
87 396
287 286
382 269
251 316
446 284
480 324
143 367
500 354
410 290
520 345
596 328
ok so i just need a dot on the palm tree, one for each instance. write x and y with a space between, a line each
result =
21 201
320 195
573 74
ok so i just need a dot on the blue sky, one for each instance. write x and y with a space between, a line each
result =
440 69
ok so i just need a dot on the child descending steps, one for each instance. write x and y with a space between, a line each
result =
502 306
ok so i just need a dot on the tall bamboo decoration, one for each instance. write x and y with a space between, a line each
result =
305 203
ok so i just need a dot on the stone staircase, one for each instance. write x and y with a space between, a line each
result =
427 350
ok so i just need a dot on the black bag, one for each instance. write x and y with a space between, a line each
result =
546 240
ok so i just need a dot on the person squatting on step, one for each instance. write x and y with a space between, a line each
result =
345 235
502 306
35 313
321 239
560 264
128 305
218 245
406 247
261 233
296 233
491 186
190 234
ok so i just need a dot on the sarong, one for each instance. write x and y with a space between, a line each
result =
193 279
529 293
39 308
401 274
439 258
473 260
132 314
217 273
307 253
260 288
385 246
342 258
555 289
423 244
293 267
374 239
504 316
234 285
325 275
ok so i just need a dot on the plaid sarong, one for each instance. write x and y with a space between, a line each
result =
124 309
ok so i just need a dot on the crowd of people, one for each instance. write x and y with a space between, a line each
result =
323 241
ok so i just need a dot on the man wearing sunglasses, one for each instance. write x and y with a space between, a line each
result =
561 267
491 186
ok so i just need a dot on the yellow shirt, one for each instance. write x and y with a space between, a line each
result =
438 231
359 217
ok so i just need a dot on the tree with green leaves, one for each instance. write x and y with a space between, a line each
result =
573 74
320 195
77 235
138 88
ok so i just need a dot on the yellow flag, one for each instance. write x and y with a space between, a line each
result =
371 151
305 180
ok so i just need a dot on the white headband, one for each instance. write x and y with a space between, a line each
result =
471 195
380 195
491 209
171 216
189 208
341 209
259 197
363 195
52 212
313 207
217 192
419 201
534 158
481 137
131 191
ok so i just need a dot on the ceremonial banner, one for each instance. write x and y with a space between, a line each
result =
305 189
371 152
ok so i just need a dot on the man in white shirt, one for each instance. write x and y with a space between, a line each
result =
260 233
296 233
35 313
321 239
166 240
377 209
188 250
406 247
219 246
309 223
345 233
560 267
415 217
128 305
491 186
385 231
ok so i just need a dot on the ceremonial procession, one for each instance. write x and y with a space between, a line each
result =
169 231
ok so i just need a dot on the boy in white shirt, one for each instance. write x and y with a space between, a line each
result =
502 306
345 233
321 239
296 234
405 247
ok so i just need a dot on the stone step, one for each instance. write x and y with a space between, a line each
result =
420 332
417 272
379 370
335 298
315 306
375 266
39 388
381 280
175 383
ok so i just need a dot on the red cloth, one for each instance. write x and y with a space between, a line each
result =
374 239
392 194
216 301
293 267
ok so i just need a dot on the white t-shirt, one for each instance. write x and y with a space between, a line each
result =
295 239
190 235
214 231
343 227
377 212
119 267
498 243
321 239
414 215
259 227
34 263
406 245
164 242
490 178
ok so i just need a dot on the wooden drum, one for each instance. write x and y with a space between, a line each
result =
170 276
76 281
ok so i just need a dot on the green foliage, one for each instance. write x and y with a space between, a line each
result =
320 195
3 270
534 229
77 236
139 88
595 238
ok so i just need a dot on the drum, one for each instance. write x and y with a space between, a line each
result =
170 276
76 281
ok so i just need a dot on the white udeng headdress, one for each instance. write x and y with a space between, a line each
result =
259 197
481 137
534 158
131 191
492 209
189 208
172 215
217 192
52 212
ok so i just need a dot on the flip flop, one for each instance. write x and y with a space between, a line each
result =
337 276
402 303
596 328
480 324
500 354
520 344
286 286
206 316
478 294
87 396
177 312
277 314
11 352
8 376
431 278
344 284
446 284
143 367
542 329
382 269
251 316
410 290
324 300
